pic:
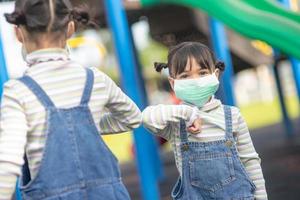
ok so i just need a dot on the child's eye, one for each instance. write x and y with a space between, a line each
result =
202 73
184 76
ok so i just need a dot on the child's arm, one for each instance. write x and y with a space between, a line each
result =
250 159
123 115
13 137
159 119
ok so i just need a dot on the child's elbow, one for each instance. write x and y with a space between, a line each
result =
146 117
137 120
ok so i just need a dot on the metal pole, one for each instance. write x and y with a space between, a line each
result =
3 70
159 172
285 117
3 79
145 143
18 192
296 73
220 47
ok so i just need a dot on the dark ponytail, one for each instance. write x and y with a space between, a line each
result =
82 18
16 18
220 65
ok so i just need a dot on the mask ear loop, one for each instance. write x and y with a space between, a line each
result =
68 48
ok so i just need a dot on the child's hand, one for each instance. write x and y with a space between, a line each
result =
195 128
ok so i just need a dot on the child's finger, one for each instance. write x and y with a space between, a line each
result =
193 130
198 125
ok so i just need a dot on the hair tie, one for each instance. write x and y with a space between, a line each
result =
80 16
220 65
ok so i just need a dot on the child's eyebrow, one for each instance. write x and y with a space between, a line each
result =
182 74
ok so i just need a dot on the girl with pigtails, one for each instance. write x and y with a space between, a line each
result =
53 117
213 149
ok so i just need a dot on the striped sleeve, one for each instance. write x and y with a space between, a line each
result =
13 130
160 118
123 114
250 159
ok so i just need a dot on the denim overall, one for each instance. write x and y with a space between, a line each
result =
76 163
212 170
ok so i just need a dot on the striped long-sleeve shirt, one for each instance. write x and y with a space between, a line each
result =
163 120
23 118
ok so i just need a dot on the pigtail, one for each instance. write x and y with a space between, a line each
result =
220 65
16 18
159 66
82 18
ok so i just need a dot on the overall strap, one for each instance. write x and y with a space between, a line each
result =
183 133
228 123
37 90
87 91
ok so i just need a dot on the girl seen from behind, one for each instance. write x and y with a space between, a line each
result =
56 113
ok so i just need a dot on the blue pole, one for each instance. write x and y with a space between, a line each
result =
285 117
18 192
3 79
220 47
3 70
294 62
156 158
296 73
144 142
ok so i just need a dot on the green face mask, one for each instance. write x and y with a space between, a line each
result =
196 91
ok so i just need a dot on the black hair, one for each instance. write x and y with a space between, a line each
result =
38 16
180 54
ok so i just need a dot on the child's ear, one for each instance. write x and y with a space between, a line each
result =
19 35
217 72
71 29
171 81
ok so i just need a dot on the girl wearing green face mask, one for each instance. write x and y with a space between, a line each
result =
213 149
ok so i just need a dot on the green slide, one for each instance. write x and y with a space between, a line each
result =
257 19
274 8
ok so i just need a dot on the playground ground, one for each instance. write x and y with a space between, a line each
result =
280 162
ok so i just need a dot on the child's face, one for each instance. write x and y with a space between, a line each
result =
192 71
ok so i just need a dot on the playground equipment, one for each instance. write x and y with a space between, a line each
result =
146 148
3 71
262 20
